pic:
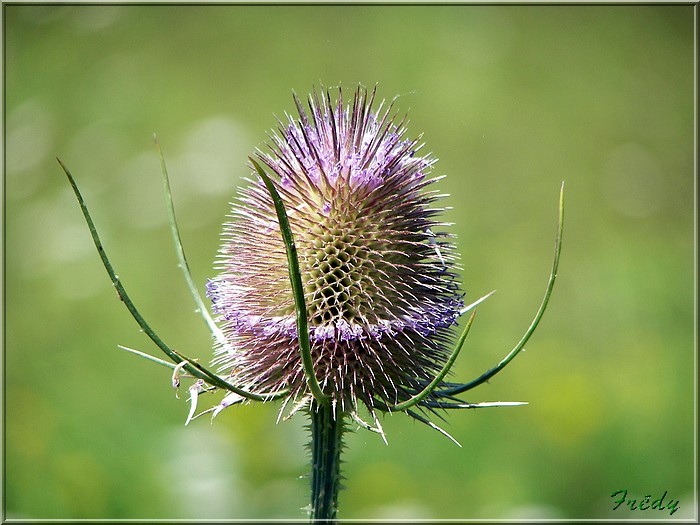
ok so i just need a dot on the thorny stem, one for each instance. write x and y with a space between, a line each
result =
326 445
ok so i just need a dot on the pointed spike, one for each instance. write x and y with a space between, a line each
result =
433 426
447 406
147 356
475 303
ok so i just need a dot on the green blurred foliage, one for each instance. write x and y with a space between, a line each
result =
511 99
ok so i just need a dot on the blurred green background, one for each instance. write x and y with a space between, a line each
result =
511 99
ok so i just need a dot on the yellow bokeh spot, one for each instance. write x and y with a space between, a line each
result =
568 408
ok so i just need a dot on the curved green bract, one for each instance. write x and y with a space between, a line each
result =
180 250
538 316
297 287
192 366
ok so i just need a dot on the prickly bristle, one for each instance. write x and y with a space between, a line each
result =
378 273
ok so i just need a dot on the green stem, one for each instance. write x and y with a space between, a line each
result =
326 445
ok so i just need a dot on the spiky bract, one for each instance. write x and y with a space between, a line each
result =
378 271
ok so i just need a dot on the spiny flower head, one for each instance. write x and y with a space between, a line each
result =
377 271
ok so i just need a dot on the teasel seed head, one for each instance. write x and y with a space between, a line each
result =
379 272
